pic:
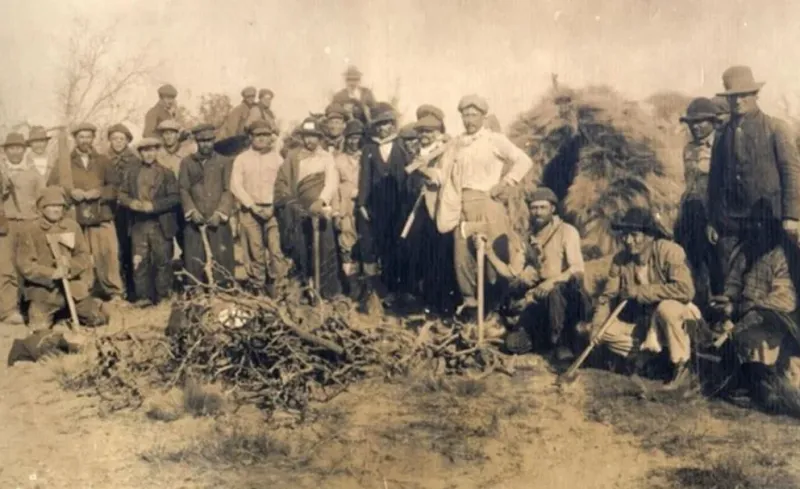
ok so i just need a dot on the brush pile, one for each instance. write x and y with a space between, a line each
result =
277 357
601 154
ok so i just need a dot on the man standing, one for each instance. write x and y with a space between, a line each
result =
265 96
348 164
94 193
354 93
149 192
334 128
305 188
173 150
551 281
237 121
165 109
38 156
204 181
42 271
653 275
122 158
252 183
21 187
754 158
473 188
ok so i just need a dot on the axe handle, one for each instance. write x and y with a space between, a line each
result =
315 250
73 312
411 217
209 264
595 340
481 266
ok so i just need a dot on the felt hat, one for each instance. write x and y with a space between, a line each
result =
148 143
168 125
167 91
721 105
52 195
353 128
700 109
473 100
739 80
266 91
37 133
261 126
84 126
638 219
541 194
429 122
310 126
121 129
204 132
352 73
248 92
14 139
383 112
335 110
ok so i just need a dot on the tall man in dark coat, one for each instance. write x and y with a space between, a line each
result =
206 198
149 192
754 158
164 110
358 100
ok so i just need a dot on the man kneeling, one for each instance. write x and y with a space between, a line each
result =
42 272
653 275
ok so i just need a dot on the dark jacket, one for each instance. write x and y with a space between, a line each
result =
155 116
386 180
99 174
753 159
165 197
205 186
122 162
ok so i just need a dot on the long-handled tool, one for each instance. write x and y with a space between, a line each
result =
411 216
73 312
209 265
481 265
571 374
315 251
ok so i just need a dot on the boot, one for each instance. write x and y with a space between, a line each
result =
370 302
680 378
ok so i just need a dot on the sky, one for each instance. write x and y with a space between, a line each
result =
425 51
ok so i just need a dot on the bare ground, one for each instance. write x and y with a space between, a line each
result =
502 432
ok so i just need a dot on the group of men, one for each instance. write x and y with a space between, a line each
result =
393 216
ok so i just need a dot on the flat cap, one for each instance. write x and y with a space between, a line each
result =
352 73
148 143
430 123
408 131
249 92
121 129
700 109
721 104
541 194
335 110
84 126
167 91
265 91
52 195
431 110
37 133
310 126
473 101
354 128
261 126
168 125
14 139
383 112
204 132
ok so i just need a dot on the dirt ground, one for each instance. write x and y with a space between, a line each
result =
501 432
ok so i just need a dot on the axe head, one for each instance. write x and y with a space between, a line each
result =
64 239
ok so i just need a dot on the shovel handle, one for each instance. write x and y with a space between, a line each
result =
315 250
73 311
593 342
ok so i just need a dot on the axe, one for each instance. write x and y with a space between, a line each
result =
209 265
52 242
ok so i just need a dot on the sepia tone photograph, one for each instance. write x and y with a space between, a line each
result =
454 244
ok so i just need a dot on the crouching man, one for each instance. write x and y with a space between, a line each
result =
150 192
653 275
759 307
42 272
549 292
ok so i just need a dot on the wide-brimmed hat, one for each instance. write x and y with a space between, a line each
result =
383 112
739 80
52 195
14 139
354 128
37 133
638 219
700 109
310 127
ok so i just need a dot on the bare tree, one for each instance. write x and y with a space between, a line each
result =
98 79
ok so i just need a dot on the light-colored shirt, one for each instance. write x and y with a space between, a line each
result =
560 245
22 185
321 161
253 176
483 157
41 163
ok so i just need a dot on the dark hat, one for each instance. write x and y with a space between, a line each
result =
119 128
352 73
14 139
265 91
700 109
335 110
37 133
261 126
430 110
541 193
168 125
739 80
310 126
721 105
52 195
148 143
429 122
167 91
354 127
383 112
248 92
408 131
204 132
638 219
473 101
84 126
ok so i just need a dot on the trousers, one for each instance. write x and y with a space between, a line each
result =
261 243
151 260
45 303
104 247
9 278
221 242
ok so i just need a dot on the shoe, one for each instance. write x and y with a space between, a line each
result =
681 376
15 318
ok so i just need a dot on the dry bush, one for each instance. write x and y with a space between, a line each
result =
67 369
729 473
202 400
166 407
